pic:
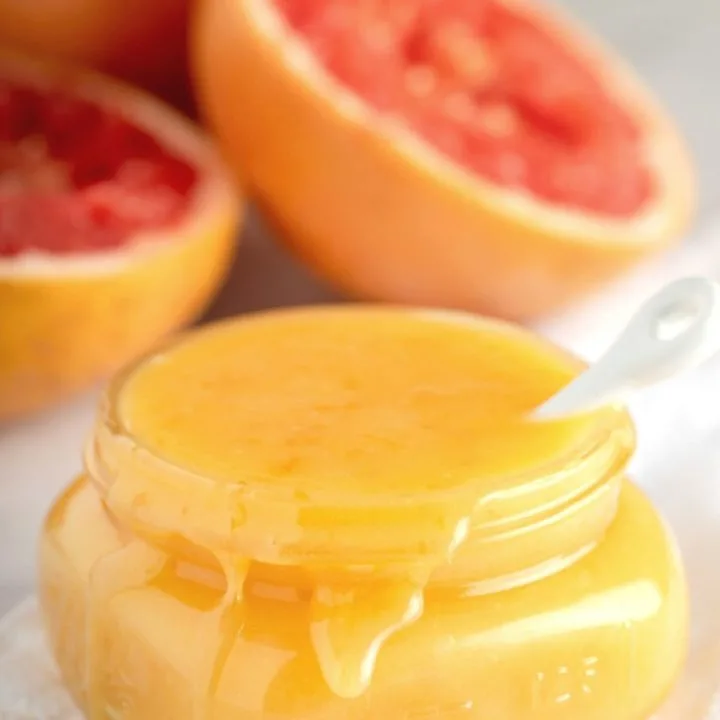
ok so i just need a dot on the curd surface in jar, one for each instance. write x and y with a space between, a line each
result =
345 513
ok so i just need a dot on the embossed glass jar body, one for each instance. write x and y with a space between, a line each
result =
532 583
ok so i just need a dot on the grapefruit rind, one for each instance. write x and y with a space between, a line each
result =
663 148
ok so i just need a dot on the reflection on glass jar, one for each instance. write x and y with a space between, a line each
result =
342 514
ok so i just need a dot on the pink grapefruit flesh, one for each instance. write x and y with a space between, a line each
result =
77 178
495 92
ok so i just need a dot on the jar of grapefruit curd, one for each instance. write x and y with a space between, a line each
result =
344 513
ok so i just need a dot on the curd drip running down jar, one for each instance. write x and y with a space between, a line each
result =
345 513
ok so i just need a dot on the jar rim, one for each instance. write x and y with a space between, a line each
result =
276 527
281 525
605 423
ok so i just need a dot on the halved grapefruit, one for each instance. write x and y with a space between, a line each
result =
117 223
484 154
139 40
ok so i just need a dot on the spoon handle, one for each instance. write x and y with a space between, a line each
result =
675 329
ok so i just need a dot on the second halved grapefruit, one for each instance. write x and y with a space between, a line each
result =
486 155
117 224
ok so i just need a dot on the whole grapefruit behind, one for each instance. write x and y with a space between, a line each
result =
117 224
143 41
484 155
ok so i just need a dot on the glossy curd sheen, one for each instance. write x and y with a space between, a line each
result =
345 514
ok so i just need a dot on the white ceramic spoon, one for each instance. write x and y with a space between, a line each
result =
676 329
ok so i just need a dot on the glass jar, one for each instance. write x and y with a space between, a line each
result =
342 514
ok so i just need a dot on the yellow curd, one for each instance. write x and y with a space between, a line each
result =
344 513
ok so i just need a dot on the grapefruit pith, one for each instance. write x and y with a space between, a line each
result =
117 223
141 41
486 155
